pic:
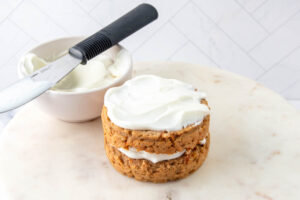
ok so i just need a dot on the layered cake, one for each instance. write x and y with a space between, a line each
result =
155 129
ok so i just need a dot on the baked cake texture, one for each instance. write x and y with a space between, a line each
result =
191 143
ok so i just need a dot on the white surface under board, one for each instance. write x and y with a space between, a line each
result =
254 150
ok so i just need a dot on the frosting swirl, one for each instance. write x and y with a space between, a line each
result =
149 102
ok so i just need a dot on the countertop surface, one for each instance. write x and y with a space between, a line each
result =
254 150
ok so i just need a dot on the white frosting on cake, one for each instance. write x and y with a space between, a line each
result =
150 102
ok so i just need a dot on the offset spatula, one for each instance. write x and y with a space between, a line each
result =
40 81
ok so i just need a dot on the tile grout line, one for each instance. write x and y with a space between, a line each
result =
97 4
251 16
160 27
178 49
29 39
12 11
258 64
267 31
289 86
199 49
21 29
277 63
58 25
88 12
258 7
275 30
10 58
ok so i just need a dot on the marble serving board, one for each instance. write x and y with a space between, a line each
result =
254 153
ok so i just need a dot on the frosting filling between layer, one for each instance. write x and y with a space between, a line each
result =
153 157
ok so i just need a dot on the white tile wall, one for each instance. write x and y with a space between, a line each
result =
251 5
12 38
190 53
214 42
255 38
284 74
164 47
279 44
235 22
7 8
275 13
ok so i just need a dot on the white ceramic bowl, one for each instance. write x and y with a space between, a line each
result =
73 106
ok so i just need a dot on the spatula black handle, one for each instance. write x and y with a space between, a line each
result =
114 32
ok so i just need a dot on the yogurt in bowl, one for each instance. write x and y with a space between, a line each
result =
78 96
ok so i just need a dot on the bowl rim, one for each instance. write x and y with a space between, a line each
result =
64 93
